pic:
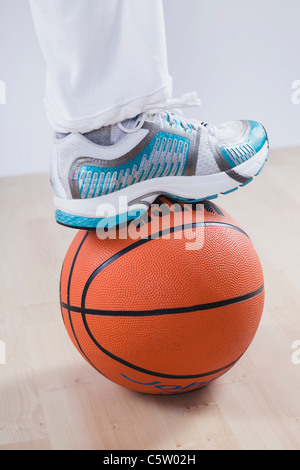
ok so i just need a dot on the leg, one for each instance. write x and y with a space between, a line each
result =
106 60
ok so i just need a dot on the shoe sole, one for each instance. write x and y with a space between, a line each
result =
131 202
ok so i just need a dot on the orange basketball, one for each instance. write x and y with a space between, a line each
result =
165 305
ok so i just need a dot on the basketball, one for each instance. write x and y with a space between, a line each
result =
166 304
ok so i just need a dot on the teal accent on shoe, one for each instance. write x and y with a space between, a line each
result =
83 176
110 222
236 155
247 182
145 165
89 187
89 222
257 137
212 197
178 125
95 188
231 191
74 220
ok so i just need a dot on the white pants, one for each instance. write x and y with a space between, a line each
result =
106 60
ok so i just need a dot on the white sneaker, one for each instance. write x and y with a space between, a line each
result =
159 154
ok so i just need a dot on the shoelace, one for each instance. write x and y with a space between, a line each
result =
165 110
185 123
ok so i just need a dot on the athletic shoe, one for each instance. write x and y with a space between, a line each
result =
117 172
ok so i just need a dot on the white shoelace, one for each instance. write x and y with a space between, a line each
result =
165 110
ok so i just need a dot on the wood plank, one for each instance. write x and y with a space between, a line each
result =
52 399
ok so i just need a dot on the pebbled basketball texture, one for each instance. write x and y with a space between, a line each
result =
169 310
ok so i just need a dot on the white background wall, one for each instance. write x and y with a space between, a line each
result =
241 57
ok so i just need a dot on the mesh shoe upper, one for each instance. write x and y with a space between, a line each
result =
161 145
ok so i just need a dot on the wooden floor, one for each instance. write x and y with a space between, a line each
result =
50 398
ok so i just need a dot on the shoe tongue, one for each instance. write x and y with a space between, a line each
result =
117 133
100 136
130 123
109 135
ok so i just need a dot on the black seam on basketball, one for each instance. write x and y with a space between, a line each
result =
68 294
69 310
164 311
157 374
148 239
149 372
61 271
142 241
